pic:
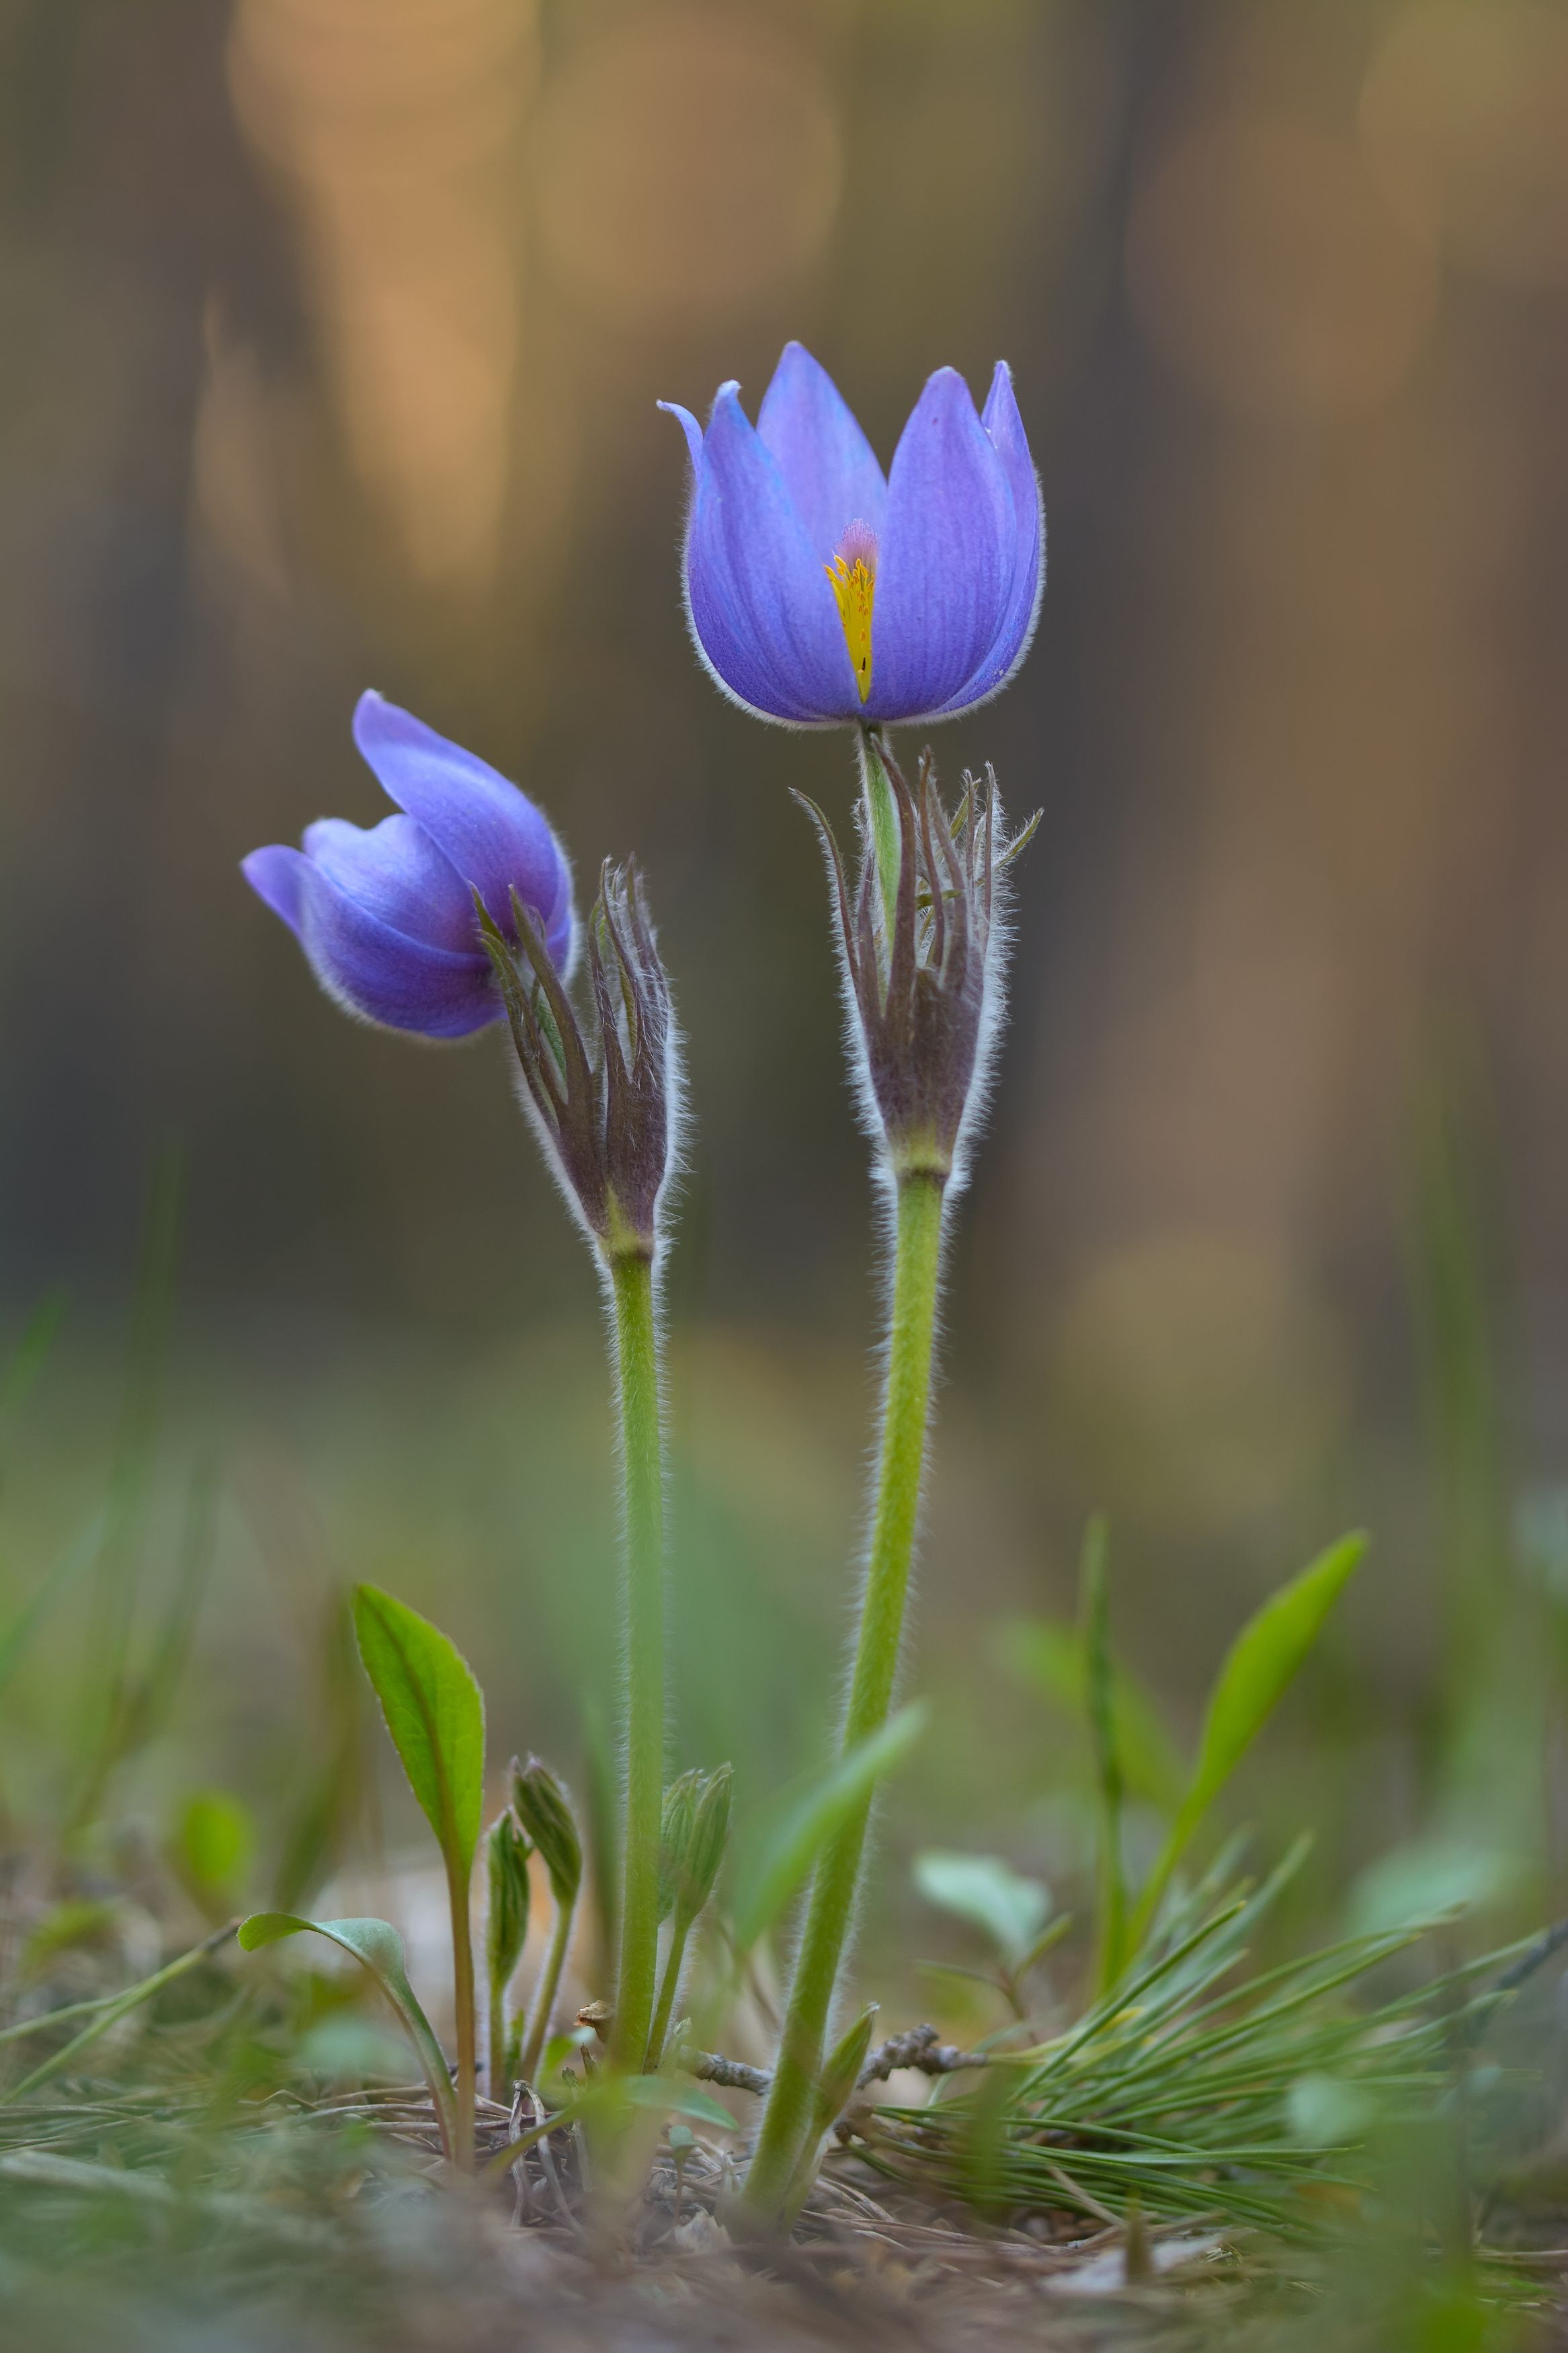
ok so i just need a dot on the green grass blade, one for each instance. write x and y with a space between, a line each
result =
1258 1670
112 1618
109 2013
333 1788
779 1864
78 1556
27 1362
1110 1779
1050 1655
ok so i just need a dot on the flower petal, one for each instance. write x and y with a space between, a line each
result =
762 611
490 831
395 871
1001 421
689 426
364 965
830 468
947 556
273 874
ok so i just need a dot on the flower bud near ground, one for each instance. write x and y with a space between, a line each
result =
696 1833
506 1871
674 1839
507 1850
605 1106
709 1837
544 1807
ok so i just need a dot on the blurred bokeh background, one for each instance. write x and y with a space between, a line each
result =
332 332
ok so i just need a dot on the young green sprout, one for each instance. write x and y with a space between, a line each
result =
544 1807
834 2090
696 1833
507 1850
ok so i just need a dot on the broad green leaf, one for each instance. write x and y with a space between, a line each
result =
1045 1652
562 2047
782 1858
346 2049
1431 1876
377 1946
987 1893
435 1712
1259 1668
214 1840
676 2099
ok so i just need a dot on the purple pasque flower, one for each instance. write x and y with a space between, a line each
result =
385 915
820 592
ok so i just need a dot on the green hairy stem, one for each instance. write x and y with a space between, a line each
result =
642 1469
781 2158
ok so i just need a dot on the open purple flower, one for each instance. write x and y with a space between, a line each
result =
820 592
386 916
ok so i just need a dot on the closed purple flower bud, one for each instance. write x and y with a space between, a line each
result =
820 592
605 1106
386 916
923 966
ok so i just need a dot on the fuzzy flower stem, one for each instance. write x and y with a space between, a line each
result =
917 1262
642 1469
544 1998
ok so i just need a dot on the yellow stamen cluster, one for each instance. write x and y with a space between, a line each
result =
852 574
